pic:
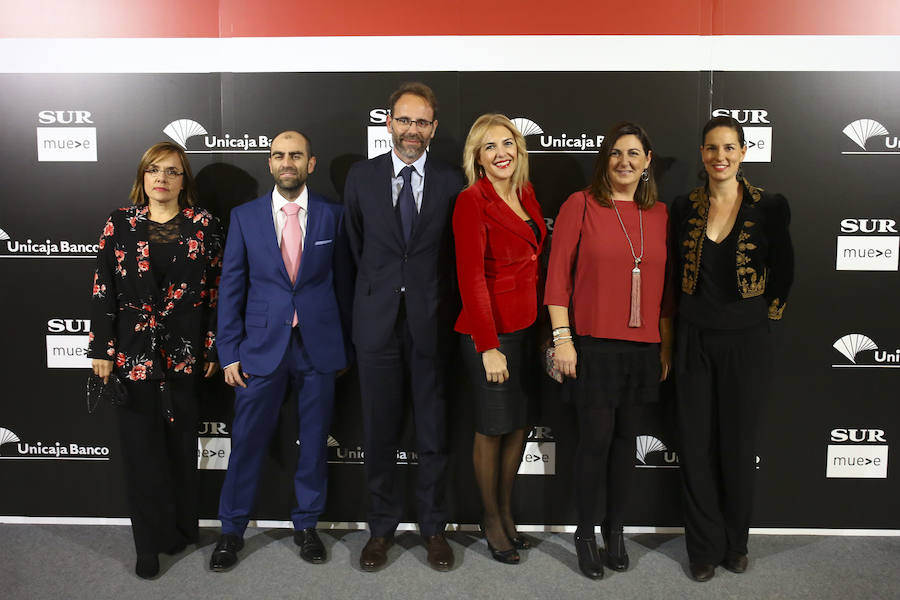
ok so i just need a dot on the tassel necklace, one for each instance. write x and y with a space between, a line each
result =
634 319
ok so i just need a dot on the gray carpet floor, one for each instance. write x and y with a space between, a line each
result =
97 562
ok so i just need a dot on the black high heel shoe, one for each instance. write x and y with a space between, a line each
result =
588 557
616 555
507 557
519 542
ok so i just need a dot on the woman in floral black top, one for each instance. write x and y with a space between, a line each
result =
153 322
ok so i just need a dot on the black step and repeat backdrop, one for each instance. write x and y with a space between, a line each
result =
68 155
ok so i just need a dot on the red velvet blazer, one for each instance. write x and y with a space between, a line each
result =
497 263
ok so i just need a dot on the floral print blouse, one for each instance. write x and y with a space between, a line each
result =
152 332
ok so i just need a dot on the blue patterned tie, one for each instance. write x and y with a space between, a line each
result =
406 203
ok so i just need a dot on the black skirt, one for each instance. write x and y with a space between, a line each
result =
503 407
614 373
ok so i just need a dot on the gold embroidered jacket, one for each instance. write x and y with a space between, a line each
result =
764 261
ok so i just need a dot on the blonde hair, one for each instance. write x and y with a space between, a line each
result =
186 197
475 140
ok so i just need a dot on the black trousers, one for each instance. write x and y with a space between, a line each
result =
160 462
604 462
722 378
384 378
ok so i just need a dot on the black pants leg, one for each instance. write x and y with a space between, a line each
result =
604 459
721 383
383 379
160 463
620 464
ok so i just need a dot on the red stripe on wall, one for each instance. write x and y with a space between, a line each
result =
268 18
464 17
109 18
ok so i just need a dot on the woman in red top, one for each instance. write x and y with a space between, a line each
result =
499 232
608 262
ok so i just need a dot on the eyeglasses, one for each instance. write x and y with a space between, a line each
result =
405 122
168 171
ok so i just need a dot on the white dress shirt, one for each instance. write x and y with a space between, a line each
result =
418 179
280 217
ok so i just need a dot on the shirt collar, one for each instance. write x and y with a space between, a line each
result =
419 165
278 200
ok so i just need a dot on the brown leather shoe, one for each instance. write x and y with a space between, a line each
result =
736 563
374 554
440 556
702 572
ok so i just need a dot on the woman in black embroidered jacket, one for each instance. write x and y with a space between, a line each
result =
153 323
735 261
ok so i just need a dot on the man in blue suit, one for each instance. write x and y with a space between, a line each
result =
280 331
399 207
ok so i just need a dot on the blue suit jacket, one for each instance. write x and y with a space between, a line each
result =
257 300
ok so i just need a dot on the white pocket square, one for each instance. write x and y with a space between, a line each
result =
323 242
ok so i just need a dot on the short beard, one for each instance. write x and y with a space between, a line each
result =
406 152
292 189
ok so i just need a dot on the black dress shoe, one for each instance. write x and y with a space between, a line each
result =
588 557
520 542
440 556
736 563
507 557
225 555
147 566
312 550
616 555
374 554
702 572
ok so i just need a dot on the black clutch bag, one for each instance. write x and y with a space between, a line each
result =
113 391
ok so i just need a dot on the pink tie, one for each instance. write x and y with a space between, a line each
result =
292 244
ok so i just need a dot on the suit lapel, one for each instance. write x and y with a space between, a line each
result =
384 202
531 206
312 233
428 209
265 228
504 216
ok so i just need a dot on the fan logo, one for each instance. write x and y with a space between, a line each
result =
652 453
539 457
544 143
861 131
66 144
757 131
182 130
870 247
44 249
7 437
48 450
67 343
213 446
856 453
355 455
863 352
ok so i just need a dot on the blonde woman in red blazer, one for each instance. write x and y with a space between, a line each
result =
499 232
